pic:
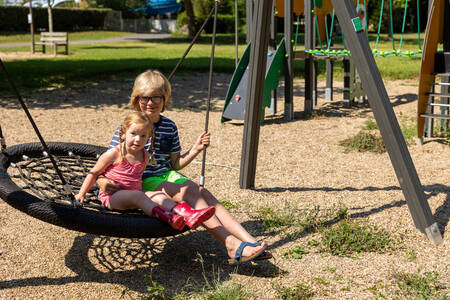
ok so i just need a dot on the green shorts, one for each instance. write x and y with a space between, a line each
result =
152 183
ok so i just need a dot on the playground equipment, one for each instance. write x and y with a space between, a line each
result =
435 63
235 100
160 7
377 97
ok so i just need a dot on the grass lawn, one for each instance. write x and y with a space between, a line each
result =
90 62
6 37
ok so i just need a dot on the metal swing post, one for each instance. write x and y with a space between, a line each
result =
386 120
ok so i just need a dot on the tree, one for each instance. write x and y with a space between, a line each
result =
191 21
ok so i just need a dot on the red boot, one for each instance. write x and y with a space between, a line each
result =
193 217
176 221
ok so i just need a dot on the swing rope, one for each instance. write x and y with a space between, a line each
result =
296 32
211 64
399 51
403 26
67 188
190 45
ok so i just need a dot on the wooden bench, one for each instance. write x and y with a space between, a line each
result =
54 39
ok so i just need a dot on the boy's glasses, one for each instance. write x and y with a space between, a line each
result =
154 99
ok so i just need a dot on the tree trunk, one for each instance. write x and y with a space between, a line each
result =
50 18
192 28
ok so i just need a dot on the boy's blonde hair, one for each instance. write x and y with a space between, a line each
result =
136 118
150 83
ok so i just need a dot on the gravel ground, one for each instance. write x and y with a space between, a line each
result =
300 166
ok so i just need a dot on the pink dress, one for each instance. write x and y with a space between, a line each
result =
125 175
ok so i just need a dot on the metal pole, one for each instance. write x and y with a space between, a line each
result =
289 62
249 17
255 92
211 65
309 59
329 85
30 20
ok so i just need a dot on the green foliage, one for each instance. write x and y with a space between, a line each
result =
272 218
409 131
155 290
411 254
398 8
234 291
225 23
124 6
369 138
304 219
321 280
370 124
364 141
417 286
225 17
342 212
297 252
14 18
228 204
300 291
215 289
350 237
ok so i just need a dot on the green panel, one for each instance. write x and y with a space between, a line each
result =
275 68
318 3
273 74
243 63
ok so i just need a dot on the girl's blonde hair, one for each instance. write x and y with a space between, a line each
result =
150 83
136 118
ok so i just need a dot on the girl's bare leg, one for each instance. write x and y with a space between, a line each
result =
223 226
161 199
126 199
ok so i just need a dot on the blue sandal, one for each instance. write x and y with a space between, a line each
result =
238 258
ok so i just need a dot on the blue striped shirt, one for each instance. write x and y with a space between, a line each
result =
167 142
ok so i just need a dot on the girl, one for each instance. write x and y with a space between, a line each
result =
124 164
152 95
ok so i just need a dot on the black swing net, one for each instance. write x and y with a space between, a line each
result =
38 179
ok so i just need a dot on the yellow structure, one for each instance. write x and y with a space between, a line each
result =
434 35
324 8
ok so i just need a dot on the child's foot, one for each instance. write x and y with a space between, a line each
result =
193 217
177 222
174 220
240 251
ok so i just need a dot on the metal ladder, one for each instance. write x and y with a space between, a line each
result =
443 95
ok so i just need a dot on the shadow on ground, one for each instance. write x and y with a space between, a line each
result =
441 215
187 261
175 263
186 96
